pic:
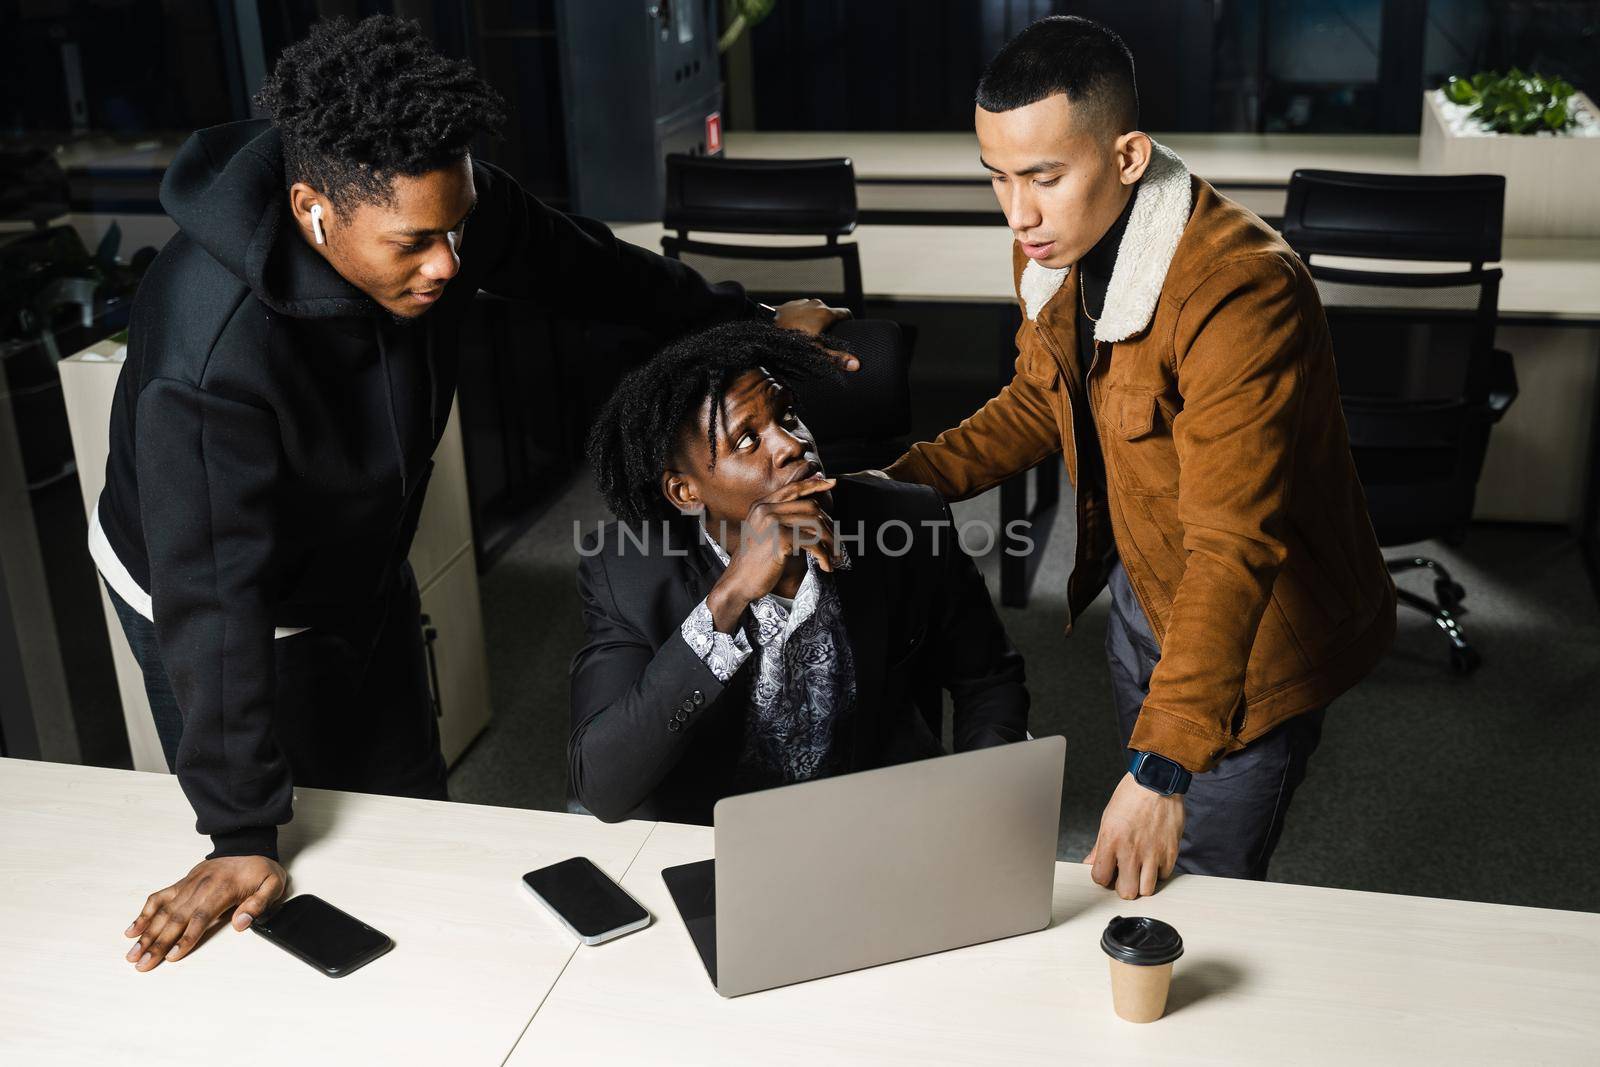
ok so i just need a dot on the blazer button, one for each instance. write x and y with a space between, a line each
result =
682 716
699 698
674 725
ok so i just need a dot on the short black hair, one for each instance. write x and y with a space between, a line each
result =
636 435
1065 54
359 104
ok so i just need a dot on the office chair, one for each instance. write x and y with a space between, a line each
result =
787 197
1420 378
862 421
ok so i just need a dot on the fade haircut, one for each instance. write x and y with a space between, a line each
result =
1066 54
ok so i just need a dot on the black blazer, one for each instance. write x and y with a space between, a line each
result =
917 621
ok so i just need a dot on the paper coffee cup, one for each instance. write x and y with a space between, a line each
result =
1141 952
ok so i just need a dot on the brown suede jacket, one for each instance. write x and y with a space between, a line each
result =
1230 492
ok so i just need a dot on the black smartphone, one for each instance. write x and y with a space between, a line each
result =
332 941
586 900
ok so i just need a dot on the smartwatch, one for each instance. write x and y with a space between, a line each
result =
1159 774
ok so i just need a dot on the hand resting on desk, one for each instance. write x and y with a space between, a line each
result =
1138 841
174 919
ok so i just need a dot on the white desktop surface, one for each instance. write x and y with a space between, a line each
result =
1221 158
1272 973
1546 279
474 955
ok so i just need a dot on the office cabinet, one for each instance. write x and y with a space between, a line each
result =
445 526
452 620
88 384
458 671
640 79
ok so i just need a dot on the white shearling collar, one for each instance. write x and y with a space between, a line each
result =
1160 211
1039 284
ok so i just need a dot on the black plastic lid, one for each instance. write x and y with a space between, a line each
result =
1141 941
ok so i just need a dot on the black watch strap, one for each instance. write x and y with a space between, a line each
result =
1159 774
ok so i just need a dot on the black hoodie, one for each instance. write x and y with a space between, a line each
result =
272 431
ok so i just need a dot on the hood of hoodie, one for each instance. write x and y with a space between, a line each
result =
225 190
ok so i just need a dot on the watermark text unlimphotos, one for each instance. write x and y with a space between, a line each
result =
894 538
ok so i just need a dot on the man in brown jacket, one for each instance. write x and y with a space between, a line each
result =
1174 351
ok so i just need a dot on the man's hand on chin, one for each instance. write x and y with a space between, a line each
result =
812 316
1138 841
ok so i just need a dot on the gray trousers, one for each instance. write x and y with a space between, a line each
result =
1233 814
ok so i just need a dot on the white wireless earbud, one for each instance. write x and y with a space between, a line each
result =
316 224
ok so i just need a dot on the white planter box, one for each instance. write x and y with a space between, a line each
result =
1552 181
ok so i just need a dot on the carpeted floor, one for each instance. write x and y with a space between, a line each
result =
1478 788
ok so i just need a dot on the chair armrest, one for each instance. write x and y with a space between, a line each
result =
1502 383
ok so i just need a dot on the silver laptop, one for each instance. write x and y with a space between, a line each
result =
849 872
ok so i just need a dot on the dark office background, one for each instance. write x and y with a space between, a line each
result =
110 87
77 67
1256 66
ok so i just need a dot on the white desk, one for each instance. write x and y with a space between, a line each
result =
1547 280
1233 159
81 847
939 173
1272 973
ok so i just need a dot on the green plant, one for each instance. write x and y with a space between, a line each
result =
742 15
1514 102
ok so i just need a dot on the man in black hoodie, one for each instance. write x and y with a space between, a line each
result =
292 359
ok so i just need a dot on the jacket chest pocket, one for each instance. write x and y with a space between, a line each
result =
1140 454
1035 363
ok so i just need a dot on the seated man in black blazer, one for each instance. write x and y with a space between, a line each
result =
752 622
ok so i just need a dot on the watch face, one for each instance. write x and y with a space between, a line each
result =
1158 773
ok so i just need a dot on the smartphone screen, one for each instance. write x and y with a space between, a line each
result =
586 899
331 940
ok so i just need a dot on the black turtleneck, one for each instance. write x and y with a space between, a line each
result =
1096 266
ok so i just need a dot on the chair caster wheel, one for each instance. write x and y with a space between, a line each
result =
1464 660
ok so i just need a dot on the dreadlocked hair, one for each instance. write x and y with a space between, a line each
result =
358 104
636 434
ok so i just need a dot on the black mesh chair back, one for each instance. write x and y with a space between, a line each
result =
1420 378
1419 375
863 420
797 201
